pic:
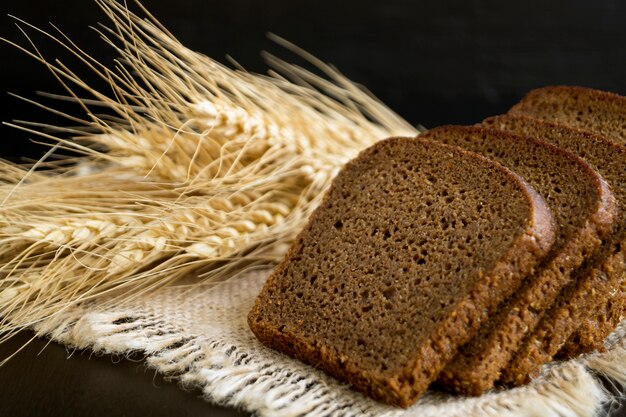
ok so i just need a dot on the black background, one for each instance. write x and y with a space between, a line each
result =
433 62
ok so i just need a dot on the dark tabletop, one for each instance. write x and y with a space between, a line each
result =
46 379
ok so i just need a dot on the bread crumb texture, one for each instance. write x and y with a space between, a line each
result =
414 245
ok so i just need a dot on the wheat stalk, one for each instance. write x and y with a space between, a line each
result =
202 170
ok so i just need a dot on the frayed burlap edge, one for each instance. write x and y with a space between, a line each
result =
201 339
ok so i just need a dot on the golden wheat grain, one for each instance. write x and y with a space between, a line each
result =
202 170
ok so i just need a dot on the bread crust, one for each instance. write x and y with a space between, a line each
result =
596 307
563 319
478 364
591 333
577 107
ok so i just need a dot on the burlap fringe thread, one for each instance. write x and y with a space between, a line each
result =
201 338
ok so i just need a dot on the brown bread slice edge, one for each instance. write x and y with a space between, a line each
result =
597 111
592 332
584 209
562 320
596 297
608 158
415 243
578 107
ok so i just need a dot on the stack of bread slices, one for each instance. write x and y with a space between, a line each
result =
467 257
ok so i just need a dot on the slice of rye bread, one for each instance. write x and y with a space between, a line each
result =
601 112
584 209
583 108
562 319
590 335
609 159
596 295
413 246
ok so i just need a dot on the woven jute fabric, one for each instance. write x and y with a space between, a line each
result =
199 336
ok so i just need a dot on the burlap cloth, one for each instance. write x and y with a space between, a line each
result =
201 338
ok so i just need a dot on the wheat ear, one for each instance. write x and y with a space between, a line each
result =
201 169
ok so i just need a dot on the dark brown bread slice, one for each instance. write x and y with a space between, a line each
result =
608 158
584 209
578 107
601 112
562 319
415 243
594 110
590 335
604 307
